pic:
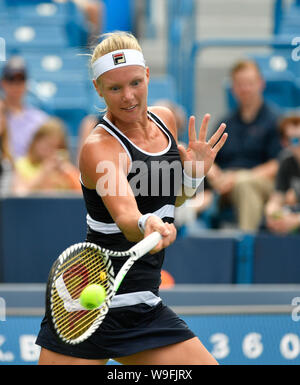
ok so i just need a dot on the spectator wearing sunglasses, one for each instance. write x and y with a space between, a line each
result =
22 119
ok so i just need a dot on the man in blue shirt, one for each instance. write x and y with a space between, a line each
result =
244 172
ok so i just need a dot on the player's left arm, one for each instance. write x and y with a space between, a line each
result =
200 154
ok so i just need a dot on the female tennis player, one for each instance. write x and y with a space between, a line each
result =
129 164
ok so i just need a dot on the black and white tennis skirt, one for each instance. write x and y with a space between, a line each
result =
125 331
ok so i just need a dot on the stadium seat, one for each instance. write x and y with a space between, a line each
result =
67 16
40 37
276 63
297 92
3 13
68 100
41 13
53 65
280 92
14 3
96 104
289 23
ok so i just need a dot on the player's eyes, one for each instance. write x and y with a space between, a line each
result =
136 82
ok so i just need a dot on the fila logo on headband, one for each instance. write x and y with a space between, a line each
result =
119 58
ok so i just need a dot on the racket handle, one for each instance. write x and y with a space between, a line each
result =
147 244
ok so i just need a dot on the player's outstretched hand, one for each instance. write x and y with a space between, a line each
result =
199 150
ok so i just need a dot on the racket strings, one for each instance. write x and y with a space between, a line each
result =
75 323
78 328
72 324
69 260
89 269
81 274
93 267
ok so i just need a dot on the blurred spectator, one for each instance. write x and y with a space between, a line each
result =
22 120
283 208
6 160
46 167
244 172
4 146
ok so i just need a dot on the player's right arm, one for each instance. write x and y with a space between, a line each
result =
104 166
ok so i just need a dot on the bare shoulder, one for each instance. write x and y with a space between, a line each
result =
167 116
98 147
95 145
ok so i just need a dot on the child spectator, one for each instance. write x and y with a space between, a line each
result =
46 167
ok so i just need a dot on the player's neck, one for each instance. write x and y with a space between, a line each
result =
14 106
130 127
250 111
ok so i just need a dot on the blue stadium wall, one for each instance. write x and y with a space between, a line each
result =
34 231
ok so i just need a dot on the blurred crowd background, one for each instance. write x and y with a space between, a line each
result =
240 64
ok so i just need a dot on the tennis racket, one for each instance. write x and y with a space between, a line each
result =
80 265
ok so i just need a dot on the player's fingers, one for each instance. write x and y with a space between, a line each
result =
192 129
168 236
203 128
217 135
172 237
221 143
173 232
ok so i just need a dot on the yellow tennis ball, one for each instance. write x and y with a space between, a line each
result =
92 296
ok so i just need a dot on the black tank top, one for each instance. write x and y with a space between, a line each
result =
154 178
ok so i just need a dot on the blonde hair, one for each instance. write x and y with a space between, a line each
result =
114 41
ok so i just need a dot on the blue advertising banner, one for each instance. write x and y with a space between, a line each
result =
233 338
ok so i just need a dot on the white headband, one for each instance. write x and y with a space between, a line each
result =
117 59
